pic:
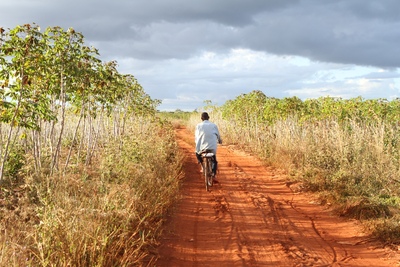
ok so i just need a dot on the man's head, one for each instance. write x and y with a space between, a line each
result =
204 116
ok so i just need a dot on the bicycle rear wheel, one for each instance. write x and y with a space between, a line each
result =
205 172
208 177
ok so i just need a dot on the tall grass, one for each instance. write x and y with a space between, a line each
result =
106 214
353 165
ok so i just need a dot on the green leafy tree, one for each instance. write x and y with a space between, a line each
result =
21 72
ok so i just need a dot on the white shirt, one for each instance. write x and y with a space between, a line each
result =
206 136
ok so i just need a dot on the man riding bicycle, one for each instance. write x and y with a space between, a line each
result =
206 138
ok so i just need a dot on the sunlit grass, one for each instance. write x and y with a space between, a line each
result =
353 166
107 214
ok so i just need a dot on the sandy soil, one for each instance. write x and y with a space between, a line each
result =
253 218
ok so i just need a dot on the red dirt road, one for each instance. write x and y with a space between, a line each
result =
252 218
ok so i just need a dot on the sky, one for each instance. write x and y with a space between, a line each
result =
186 52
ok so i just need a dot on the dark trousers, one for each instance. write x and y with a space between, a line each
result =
214 162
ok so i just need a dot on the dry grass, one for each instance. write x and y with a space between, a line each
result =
108 214
355 167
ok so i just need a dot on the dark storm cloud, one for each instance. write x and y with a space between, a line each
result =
342 31
350 32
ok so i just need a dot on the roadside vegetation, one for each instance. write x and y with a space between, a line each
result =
87 170
345 151
177 117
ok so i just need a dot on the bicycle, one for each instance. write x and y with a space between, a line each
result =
207 157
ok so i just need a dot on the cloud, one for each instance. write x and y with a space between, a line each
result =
219 78
189 51
349 32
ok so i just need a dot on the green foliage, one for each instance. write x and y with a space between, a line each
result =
246 108
15 161
255 106
43 73
175 115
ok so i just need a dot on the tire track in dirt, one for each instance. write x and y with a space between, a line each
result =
252 218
